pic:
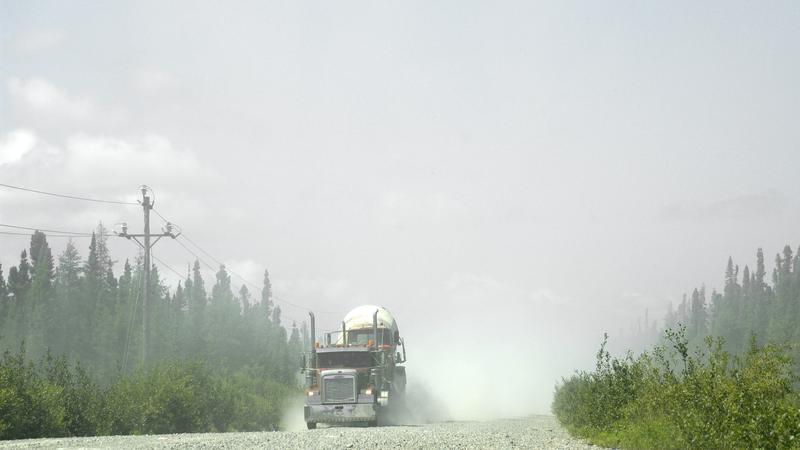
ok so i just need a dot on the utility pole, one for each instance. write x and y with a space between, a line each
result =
147 204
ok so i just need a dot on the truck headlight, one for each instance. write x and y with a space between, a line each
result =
368 391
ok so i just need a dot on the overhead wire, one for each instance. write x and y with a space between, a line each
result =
253 285
77 233
13 233
180 275
211 268
243 279
73 197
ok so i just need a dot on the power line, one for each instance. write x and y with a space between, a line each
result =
243 279
253 285
73 197
159 215
45 230
180 275
12 233
195 255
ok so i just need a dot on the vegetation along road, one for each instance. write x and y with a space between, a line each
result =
542 432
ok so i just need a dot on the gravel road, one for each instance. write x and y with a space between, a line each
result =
540 432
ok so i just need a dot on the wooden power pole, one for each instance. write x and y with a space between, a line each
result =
147 204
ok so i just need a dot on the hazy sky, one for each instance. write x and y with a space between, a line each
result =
513 177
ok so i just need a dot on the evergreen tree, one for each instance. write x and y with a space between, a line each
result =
42 260
38 307
3 303
179 299
698 321
198 335
244 298
19 308
761 272
295 342
19 279
670 319
69 335
266 295
198 297
223 320
746 280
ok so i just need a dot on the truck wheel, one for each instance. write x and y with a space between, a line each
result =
311 425
372 423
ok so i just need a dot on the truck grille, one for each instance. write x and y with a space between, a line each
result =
339 389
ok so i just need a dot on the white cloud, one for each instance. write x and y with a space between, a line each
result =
15 145
37 40
105 167
152 160
43 97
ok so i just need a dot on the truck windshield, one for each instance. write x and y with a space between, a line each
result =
362 337
344 360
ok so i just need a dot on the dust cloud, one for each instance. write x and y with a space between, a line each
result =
292 414
481 355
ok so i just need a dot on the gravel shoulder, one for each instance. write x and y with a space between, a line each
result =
536 432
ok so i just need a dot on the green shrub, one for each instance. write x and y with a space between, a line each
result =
54 399
30 406
669 398
80 397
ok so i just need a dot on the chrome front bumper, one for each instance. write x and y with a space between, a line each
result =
348 412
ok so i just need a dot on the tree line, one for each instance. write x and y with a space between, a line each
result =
87 314
749 304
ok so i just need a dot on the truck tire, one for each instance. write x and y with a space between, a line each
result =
311 425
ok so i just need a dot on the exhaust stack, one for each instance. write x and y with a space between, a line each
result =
375 328
313 334
313 362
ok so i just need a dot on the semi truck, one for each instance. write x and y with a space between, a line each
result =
354 375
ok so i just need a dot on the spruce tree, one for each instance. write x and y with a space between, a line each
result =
3 305
761 271
266 296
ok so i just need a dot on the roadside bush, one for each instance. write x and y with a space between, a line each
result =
588 403
30 406
669 398
53 399
171 397
181 397
259 401
80 397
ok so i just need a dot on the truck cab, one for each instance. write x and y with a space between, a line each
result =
355 377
